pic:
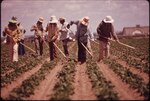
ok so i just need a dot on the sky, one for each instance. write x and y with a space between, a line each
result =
126 13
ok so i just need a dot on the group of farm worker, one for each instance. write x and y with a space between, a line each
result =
14 33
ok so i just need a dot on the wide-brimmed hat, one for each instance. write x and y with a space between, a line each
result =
13 20
85 20
108 19
41 19
53 19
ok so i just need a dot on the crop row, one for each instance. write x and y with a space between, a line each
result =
28 86
134 80
25 63
7 65
28 65
141 48
64 88
138 64
102 88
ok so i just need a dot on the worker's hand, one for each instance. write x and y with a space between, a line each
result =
71 22
60 30
117 41
92 39
53 39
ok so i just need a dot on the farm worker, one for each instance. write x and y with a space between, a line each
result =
105 31
53 30
38 36
12 32
64 35
21 49
82 37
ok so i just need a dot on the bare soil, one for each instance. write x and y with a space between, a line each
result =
123 90
83 86
45 89
5 91
143 75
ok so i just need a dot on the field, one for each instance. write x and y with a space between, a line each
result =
123 76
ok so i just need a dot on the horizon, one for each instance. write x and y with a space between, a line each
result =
127 13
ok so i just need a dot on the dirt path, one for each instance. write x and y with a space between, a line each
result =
83 86
71 46
132 69
5 91
123 90
45 89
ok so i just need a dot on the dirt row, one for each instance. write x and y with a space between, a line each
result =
143 75
45 89
123 90
82 85
5 91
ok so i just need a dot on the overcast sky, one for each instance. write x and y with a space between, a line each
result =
126 13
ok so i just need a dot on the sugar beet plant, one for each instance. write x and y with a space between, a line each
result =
26 63
138 64
28 86
138 58
64 88
103 89
134 80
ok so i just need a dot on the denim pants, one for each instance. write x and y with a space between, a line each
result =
21 49
81 52
52 51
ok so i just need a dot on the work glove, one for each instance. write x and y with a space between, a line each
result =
92 39
117 41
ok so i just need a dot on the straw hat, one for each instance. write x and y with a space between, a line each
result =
85 20
108 19
53 19
13 20
41 19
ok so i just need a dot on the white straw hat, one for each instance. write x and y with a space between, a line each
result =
108 19
53 19
13 20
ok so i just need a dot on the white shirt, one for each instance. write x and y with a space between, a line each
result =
65 32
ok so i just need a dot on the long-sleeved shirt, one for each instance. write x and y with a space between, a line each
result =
82 32
12 32
53 31
64 34
39 31
106 30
